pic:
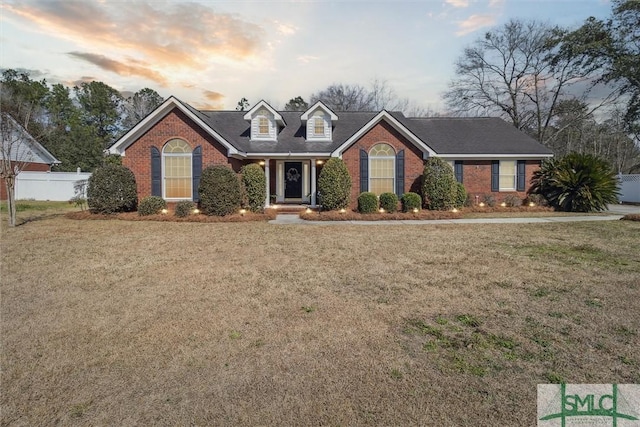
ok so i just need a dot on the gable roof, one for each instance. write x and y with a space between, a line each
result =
156 115
265 104
27 150
319 105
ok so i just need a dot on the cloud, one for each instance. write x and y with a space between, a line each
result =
285 29
475 22
213 101
458 3
168 35
305 59
213 96
496 3
137 68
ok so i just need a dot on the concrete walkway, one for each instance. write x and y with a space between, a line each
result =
616 212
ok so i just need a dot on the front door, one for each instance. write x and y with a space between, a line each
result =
292 180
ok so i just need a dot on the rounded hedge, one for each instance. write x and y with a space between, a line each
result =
111 189
438 185
389 202
367 202
411 201
184 208
334 185
219 190
151 205
254 183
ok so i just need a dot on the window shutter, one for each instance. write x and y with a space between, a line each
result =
364 171
520 183
156 172
400 173
458 169
197 171
495 175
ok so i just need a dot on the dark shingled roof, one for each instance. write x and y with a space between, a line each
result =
470 136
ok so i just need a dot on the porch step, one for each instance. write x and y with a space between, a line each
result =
293 209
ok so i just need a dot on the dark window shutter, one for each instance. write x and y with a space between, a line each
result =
197 171
364 171
521 176
495 175
156 172
400 173
457 168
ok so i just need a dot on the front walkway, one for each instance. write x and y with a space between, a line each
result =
286 219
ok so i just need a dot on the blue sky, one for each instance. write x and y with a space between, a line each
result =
212 53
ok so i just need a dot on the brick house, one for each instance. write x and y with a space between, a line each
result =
24 152
384 151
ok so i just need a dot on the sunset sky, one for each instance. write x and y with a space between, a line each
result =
212 53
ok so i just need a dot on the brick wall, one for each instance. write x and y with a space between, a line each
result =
477 178
384 132
174 125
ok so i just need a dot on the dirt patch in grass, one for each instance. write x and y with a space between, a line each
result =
631 217
145 322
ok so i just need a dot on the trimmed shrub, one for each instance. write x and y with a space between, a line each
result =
576 183
438 185
411 201
151 205
334 185
367 202
111 189
488 200
184 208
389 202
254 183
512 201
220 192
537 199
461 195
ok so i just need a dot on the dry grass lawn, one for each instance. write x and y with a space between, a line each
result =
151 323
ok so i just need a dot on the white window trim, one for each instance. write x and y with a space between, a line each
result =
515 176
369 158
164 178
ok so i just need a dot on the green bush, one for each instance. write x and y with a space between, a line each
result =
220 192
254 183
461 195
536 199
576 183
184 208
334 185
389 202
411 201
112 188
151 205
512 201
367 202
438 185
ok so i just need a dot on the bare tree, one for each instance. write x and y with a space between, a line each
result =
345 97
520 72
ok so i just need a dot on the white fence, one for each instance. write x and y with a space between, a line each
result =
629 188
47 185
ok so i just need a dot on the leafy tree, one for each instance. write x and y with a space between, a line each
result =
576 183
102 108
439 185
334 184
23 98
296 104
243 104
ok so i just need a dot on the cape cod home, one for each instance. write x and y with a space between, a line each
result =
384 151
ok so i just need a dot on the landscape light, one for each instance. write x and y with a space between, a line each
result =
381 210
196 211
454 210
243 211
164 211
308 210
503 204
481 204
415 210
531 204
343 210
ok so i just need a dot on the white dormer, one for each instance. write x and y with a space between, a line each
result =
319 122
264 122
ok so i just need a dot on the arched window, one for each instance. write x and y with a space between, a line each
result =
177 170
382 161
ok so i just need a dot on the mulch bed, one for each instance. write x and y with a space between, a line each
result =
631 217
269 214
421 215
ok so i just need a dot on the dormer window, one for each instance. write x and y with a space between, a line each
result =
319 122
264 122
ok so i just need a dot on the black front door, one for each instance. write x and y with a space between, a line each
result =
292 180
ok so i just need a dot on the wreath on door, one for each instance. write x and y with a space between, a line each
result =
293 175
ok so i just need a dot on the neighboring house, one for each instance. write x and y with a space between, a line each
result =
384 151
25 152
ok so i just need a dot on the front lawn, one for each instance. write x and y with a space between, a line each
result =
159 323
